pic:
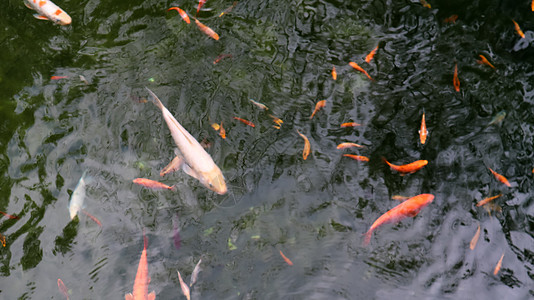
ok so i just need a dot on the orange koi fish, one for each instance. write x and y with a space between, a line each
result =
500 178
518 29
484 61
221 57
425 4
149 183
229 9
182 13
486 200
307 146
498 266
47 10
58 77
62 288
355 66
140 288
357 157
371 54
349 124
408 208
245 122
455 80
451 19
92 218
408 168
2 240
200 4
348 145
287 260
318 106
185 288
474 240
175 165
334 73
208 31
423 132
8 215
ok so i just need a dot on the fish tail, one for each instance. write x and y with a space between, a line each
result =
156 100
173 188
145 240
367 238
384 160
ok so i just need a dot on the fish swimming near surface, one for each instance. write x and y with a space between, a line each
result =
78 197
47 10
408 208
140 288
197 162
408 168
423 132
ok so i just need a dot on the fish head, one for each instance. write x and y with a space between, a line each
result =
424 199
62 19
214 180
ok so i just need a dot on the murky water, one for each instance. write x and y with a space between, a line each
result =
315 211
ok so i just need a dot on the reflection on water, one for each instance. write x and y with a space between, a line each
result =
316 210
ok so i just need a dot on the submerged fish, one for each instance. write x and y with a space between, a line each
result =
498 118
140 288
423 132
62 288
371 54
408 168
197 162
47 10
357 67
208 31
500 178
318 106
307 146
185 289
287 260
78 197
455 80
149 183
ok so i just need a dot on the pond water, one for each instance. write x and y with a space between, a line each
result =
316 211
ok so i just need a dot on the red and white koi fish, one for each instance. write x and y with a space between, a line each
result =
140 288
47 10
408 208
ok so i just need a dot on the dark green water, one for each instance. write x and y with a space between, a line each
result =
314 210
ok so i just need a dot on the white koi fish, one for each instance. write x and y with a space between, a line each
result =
47 10
197 162
77 198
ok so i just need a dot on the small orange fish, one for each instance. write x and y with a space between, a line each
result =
355 66
500 178
222 132
399 198
349 124
348 145
486 200
216 126
277 121
498 266
245 122
318 106
229 9
208 31
357 157
455 80
289 262
371 54
62 288
307 146
408 208
474 240
408 168
92 218
182 13
451 19
518 29
149 183
221 57
484 61
425 4
200 4
185 288
423 132
334 73
58 77
8 215
2 240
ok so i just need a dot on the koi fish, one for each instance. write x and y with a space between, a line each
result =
149 183
221 57
500 178
245 122
195 273
200 4
307 146
423 132
47 10
318 106
185 288
92 218
229 9
174 165
451 19
408 208
486 200
408 168
287 260
2 240
518 29
140 287
498 266
350 124
357 157
371 54
355 66
208 31
8 215
334 73
260 105
455 79
77 198
58 77
62 288
348 145
197 162
182 13
425 4
484 61
474 240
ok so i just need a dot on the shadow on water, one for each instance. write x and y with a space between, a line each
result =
316 210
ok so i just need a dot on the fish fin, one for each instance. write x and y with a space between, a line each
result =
173 188
174 165
128 296
156 100
40 17
412 214
152 296
28 5
187 169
